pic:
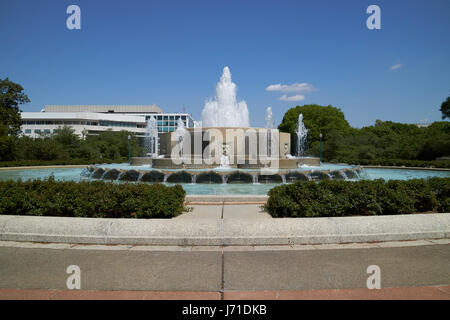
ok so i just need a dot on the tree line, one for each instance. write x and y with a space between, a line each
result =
63 145
382 140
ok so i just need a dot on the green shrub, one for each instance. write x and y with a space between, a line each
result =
22 163
96 199
330 198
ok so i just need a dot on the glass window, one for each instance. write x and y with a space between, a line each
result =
159 118
37 131
166 118
27 130
46 130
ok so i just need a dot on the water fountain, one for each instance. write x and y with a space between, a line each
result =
151 138
180 132
269 127
231 143
302 134
224 110
150 144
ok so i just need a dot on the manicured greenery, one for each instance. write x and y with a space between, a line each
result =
383 141
331 198
23 163
63 145
96 199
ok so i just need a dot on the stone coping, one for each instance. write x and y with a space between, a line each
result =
224 232
46 167
405 168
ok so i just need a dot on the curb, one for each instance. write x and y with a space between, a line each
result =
224 232
195 199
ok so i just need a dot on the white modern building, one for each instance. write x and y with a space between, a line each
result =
92 119
38 124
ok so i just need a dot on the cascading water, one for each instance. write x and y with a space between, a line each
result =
224 110
151 137
302 133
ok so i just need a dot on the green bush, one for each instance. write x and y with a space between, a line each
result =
97 199
330 198
24 163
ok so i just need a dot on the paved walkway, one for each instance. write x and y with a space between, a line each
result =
228 211
409 270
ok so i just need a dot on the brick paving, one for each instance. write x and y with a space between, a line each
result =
403 293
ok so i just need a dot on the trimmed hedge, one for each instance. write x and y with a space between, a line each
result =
398 163
96 199
331 198
23 163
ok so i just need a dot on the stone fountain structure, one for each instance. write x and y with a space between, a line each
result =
226 139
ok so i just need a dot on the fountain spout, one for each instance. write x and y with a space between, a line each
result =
151 138
302 134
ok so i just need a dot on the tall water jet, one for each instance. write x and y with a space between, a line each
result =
151 138
269 118
180 132
224 110
302 133
269 127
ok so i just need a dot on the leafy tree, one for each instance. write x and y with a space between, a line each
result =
7 145
445 108
66 136
317 119
11 96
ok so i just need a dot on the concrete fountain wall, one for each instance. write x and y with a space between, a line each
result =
195 161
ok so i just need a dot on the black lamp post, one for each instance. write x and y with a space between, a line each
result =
129 151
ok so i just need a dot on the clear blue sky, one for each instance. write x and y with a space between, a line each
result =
171 53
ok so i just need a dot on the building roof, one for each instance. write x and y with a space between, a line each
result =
81 116
104 108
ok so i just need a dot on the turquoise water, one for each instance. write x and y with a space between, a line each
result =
73 174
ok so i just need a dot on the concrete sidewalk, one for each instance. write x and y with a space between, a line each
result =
408 270
225 225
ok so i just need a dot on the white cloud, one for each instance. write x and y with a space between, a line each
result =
297 97
295 87
396 66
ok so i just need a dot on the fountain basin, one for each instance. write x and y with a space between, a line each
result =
141 161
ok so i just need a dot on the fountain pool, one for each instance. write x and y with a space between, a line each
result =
249 187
